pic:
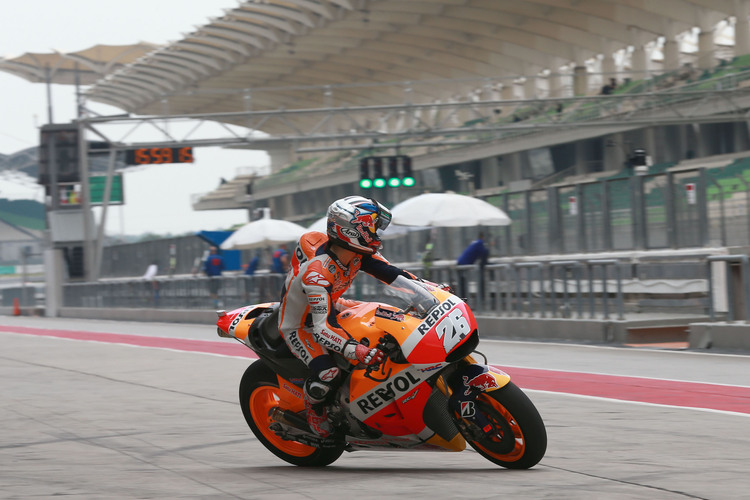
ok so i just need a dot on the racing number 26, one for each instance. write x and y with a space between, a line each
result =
452 329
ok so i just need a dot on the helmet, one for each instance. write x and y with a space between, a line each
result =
353 223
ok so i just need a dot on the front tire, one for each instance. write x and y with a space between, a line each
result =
519 439
259 394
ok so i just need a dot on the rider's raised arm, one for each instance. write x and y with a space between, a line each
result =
377 267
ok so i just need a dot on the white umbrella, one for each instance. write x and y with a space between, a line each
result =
263 233
448 210
320 225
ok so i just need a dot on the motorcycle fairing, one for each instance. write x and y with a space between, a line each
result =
444 328
237 323
410 422
425 441
291 395
370 397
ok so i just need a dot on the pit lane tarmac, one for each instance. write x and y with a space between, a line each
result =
98 409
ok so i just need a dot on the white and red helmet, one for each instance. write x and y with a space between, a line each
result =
354 222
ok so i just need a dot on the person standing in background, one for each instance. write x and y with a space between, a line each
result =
151 283
214 267
250 269
252 266
476 251
280 261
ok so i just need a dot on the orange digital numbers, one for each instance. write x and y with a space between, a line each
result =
142 157
161 155
149 156
185 155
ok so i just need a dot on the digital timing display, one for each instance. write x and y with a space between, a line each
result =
153 156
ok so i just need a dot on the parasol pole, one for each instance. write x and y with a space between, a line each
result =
48 82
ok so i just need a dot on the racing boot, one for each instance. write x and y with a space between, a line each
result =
316 391
317 417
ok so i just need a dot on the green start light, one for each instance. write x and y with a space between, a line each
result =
365 183
379 183
394 182
408 181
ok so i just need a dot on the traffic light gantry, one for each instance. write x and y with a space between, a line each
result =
371 172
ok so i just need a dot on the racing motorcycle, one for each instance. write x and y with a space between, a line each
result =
429 393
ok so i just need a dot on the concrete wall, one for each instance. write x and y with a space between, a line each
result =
731 336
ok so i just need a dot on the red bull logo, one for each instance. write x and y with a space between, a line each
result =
367 220
483 382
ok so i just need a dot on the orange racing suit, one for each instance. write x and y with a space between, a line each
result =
314 284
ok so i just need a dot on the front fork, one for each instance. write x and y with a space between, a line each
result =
466 383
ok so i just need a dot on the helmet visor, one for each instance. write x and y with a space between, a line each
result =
384 216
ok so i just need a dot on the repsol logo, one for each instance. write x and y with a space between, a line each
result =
299 347
384 394
237 320
435 315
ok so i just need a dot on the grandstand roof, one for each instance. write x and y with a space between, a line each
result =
266 54
87 65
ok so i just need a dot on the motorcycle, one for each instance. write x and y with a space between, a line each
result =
429 393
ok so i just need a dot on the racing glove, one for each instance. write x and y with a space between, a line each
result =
443 286
363 354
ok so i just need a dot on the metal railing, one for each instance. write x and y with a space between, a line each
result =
567 289
178 292
526 289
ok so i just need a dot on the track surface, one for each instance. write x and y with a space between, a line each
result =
98 409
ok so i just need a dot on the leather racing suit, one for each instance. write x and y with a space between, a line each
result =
313 287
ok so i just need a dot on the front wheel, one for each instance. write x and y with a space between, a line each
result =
259 394
518 439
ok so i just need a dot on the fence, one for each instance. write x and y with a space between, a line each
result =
580 289
174 293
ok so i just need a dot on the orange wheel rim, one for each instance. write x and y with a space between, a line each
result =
500 412
262 401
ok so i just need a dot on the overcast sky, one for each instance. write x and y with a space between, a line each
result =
157 197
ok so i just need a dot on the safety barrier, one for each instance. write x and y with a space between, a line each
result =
178 292
568 289
737 286
525 289
534 289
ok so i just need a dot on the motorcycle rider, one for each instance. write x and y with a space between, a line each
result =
322 269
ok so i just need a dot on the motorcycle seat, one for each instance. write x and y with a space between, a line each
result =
268 328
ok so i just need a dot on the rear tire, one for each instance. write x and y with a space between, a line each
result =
520 439
259 391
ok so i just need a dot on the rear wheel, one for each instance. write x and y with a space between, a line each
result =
518 439
259 394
